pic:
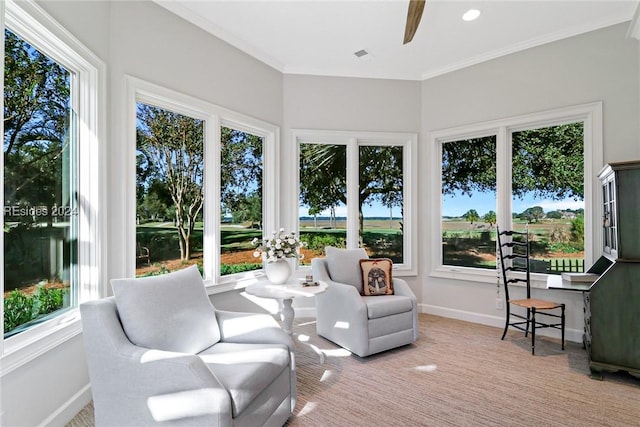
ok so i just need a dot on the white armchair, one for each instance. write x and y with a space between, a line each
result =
364 325
160 353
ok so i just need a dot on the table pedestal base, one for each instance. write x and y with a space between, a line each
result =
287 315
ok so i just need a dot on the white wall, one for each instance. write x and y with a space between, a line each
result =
597 66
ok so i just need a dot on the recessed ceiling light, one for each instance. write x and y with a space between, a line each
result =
471 14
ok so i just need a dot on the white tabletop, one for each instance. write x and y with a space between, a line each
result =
285 291
557 282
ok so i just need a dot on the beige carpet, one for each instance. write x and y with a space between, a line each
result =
457 374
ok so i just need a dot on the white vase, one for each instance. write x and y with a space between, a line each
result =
278 272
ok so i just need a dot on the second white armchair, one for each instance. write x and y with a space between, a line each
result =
364 325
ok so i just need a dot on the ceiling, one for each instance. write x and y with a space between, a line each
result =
320 37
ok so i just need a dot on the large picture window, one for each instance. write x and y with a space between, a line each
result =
356 191
532 172
51 173
199 177
40 181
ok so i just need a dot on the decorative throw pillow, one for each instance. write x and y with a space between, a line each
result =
170 312
343 265
376 276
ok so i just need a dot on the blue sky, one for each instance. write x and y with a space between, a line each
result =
458 205
485 202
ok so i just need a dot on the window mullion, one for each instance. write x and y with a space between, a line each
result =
211 187
503 177
353 179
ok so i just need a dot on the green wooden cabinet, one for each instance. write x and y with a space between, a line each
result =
612 304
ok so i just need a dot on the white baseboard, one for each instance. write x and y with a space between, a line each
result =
69 409
573 335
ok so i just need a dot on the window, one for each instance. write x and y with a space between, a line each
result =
169 190
51 174
547 183
199 174
40 212
469 202
323 198
531 172
355 190
241 201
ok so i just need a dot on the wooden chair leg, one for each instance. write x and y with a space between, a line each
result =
506 322
533 330
562 326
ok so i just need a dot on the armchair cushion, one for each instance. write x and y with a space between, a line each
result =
376 276
344 265
259 363
170 312
383 306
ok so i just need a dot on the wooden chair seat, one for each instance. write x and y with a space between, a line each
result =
538 304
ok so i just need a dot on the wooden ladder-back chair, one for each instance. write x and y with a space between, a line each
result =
514 257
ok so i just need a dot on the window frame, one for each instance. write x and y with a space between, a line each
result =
213 117
591 117
30 22
353 140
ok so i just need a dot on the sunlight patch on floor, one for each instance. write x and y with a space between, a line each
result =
326 375
307 408
338 352
307 323
426 368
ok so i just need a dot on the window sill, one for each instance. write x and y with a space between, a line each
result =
490 276
232 284
29 345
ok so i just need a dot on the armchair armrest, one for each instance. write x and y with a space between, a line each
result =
251 328
401 287
339 297
341 311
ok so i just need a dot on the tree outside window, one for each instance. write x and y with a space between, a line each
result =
547 195
379 198
169 184
40 184
241 177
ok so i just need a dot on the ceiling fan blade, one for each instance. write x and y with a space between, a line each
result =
414 13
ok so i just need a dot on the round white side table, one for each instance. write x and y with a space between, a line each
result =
285 293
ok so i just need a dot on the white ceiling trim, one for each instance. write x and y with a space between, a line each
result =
335 72
528 44
634 28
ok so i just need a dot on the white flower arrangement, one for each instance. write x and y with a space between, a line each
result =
279 246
